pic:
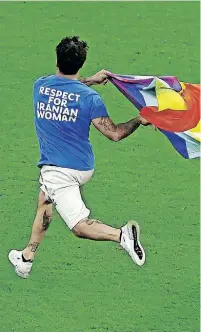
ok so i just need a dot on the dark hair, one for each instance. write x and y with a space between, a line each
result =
71 55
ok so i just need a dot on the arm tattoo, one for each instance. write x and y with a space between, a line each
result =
46 221
129 127
33 246
107 124
122 129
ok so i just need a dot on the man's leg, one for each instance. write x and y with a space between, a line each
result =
128 236
41 223
73 211
22 260
93 229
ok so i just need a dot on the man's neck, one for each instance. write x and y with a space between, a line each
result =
69 77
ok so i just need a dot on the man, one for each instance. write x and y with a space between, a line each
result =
64 110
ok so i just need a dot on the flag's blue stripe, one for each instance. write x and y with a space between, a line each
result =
134 96
178 143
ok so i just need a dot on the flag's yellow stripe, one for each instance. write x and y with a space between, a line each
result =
168 98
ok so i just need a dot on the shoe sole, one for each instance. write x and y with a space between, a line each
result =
20 274
131 223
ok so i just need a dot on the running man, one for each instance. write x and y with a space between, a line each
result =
64 109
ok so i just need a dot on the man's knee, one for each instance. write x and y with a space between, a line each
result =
78 229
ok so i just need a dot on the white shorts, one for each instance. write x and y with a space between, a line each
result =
62 187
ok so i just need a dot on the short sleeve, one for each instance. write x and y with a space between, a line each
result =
98 108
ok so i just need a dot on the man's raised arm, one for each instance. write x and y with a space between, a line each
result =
117 132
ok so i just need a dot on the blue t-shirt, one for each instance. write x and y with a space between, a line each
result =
63 110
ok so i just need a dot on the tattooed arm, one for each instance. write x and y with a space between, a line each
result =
116 132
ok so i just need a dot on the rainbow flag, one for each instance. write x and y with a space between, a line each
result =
170 105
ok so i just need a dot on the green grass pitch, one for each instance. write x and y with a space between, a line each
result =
78 285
